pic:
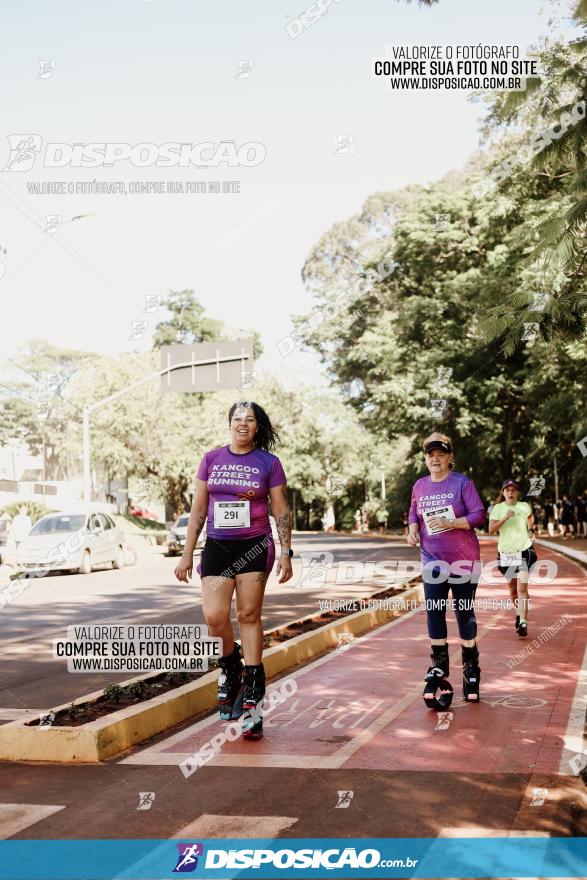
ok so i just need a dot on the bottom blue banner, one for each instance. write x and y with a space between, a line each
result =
313 857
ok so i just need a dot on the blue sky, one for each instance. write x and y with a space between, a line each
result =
156 71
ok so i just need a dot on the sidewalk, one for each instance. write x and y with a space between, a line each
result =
576 549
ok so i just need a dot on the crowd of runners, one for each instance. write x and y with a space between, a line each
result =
566 517
236 483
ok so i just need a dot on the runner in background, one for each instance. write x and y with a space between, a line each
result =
364 520
444 511
20 526
537 512
382 515
329 519
234 485
567 517
558 509
512 519
581 506
550 521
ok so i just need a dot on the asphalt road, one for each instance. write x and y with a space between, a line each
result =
149 593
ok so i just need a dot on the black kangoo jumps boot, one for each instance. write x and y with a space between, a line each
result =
471 673
438 691
254 691
230 685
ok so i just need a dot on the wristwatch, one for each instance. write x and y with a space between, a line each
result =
287 552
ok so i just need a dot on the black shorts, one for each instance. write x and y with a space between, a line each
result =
227 558
529 557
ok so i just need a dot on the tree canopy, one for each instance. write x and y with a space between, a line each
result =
432 314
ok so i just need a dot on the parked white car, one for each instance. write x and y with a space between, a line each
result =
72 542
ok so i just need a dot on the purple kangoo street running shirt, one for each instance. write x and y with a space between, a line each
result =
233 476
453 545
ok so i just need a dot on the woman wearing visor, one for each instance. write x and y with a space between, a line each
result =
444 512
512 519
234 486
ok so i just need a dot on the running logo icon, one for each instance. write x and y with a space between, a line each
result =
436 408
138 329
23 151
244 69
52 223
46 69
344 800
537 484
187 859
314 571
146 799
152 302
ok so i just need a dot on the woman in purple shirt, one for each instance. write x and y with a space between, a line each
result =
444 512
234 485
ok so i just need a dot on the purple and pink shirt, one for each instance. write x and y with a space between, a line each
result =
234 476
454 545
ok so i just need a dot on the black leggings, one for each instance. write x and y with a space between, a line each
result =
463 595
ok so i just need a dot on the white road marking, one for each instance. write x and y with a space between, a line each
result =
480 831
16 817
210 826
574 735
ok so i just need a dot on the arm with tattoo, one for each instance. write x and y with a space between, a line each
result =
280 509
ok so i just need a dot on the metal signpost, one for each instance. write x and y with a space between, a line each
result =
207 366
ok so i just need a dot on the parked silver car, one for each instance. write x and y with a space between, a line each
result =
178 531
72 542
176 536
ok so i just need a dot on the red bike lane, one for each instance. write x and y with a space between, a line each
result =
361 707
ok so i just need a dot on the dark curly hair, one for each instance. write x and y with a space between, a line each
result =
266 436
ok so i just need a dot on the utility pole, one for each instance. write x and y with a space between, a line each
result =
44 466
555 478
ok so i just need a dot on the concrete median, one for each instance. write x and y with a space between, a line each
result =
118 731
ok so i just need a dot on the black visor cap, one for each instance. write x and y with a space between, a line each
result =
437 444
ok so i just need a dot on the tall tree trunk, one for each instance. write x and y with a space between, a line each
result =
176 494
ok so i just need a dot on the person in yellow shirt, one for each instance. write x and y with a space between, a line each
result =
512 519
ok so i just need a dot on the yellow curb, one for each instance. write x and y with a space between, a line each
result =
105 737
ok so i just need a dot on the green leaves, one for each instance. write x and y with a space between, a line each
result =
551 113
461 302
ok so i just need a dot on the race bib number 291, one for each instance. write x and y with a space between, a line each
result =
232 515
